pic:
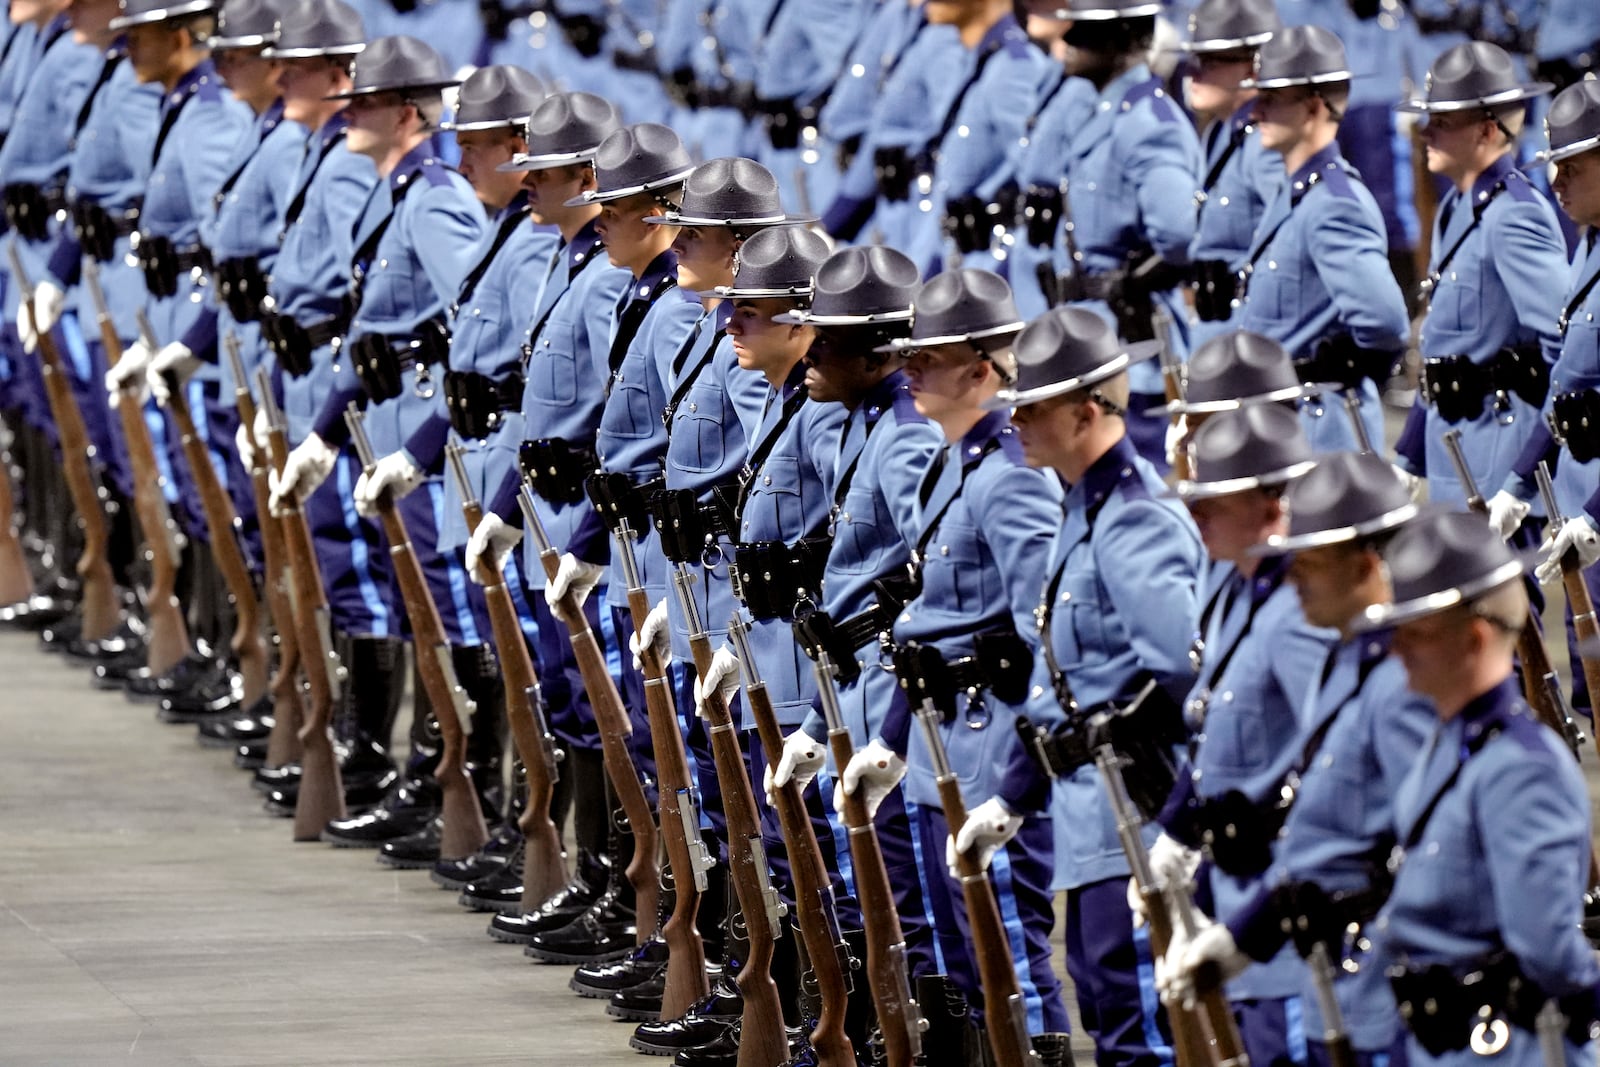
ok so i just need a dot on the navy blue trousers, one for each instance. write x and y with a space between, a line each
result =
1274 1031
1113 975
832 837
571 713
355 565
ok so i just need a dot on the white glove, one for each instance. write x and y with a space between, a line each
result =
175 359
573 575
1417 487
262 432
1177 432
129 370
1170 863
799 763
1213 944
722 675
48 300
1506 513
394 473
494 538
245 442
1579 534
988 827
874 766
654 634
309 463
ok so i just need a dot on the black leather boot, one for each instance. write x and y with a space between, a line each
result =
710 1016
404 811
498 890
600 981
128 637
641 982
212 698
201 667
949 1032
415 851
371 699
606 931
251 755
1054 1050
492 857
366 772
229 731
573 899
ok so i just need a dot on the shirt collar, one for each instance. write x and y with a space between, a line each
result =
584 243
201 73
1106 472
881 396
796 378
519 204
1318 162
997 34
1494 175
409 165
271 117
664 264
1488 708
1243 115
722 315
1119 86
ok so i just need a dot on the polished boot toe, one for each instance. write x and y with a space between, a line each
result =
405 811
213 699
229 731
360 797
192 671
702 1024
601 980
606 931
251 755
492 857
112 672
499 890
641 1002
58 635
416 851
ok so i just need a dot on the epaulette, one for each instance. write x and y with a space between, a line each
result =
1339 181
209 87
1161 105
904 406
1529 733
436 171
1011 446
1520 189
1018 45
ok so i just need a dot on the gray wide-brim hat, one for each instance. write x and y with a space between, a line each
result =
860 286
1230 25
1106 10
1299 55
311 28
1064 350
1438 561
495 97
778 262
246 24
565 128
142 12
1237 369
1250 448
1475 74
960 305
1572 125
1346 496
636 159
397 64
732 191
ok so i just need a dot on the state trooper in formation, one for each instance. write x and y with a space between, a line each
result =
1492 815
706 51
1230 371
1490 334
569 327
984 521
1123 545
1240 176
1256 650
1126 219
1317 278
1361 732
1573 131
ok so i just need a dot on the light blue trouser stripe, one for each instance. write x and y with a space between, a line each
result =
77 349
1000 867
841 835
914 817
157 424
455 573
609 643
1294 1030
1149 998
360 560
512 574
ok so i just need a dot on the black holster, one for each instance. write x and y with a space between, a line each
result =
477 403
1216 287
1340 361
1458 388
1575 421
1039 213
29 209
893 168
774 579
557 468
241 285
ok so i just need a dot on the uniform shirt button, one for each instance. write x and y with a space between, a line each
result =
944 550
1272 264
383 263
858 71
766 479
693 406
1222 200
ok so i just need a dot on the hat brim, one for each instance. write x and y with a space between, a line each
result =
1195 490
805 317
484 124
1419 106
905 344
733 292
1288 83
522 164
1021 398
1383 616
414 87
161 14
1279 545
1576 148
247 40
673 218
604 196
274 52
1223 44
1212 407
1106 14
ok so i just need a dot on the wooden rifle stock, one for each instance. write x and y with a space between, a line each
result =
611 717
463 830
687 856
544 869
16 580
283 745
1578 598
169 634
762 1037
899 1019
1225 1047
813 894
1536 666
321 798
248 646
1172 386
100 606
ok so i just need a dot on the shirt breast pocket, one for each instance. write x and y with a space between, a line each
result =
1282 276
860 533
553 366
628 413
698 445
1236 735
955 562
778 486
1086 614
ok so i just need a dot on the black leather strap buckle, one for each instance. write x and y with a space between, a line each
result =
775 580
680 525
557 468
